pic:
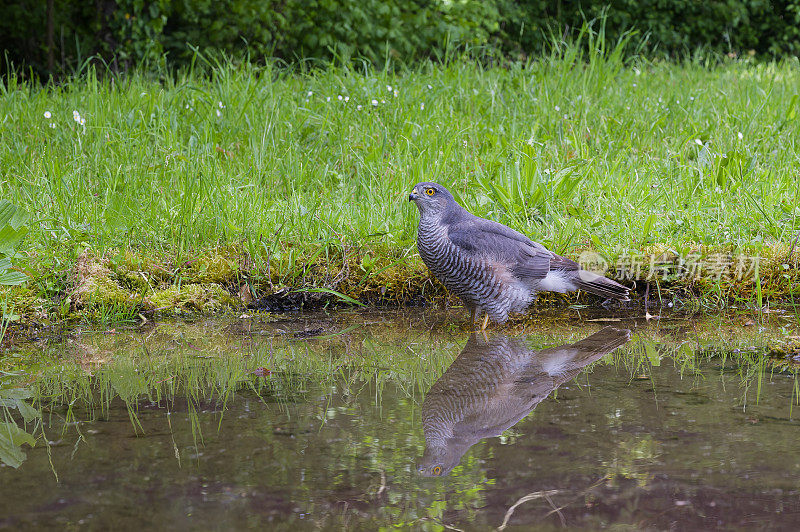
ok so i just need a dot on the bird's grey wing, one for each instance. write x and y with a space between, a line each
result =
485 238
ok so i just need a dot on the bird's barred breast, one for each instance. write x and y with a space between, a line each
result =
482 282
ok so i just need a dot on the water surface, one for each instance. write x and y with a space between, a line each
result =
379 421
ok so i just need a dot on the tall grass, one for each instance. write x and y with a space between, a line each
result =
586 147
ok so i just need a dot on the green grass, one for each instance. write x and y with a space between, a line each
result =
268 169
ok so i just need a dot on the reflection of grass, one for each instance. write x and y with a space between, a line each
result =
182 367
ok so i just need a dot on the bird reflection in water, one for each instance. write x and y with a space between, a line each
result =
492 385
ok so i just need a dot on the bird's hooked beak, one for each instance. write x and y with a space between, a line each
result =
413 196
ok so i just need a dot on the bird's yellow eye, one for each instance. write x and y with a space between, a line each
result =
437 469
430 191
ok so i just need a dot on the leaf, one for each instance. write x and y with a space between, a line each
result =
12 278
11 439
15 393
792 112
28 412
12 226
10 237
12 215
341 296
648 225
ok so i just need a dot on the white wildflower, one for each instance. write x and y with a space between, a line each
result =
698 142
340 97
375 103
219 104
740 135
422 106
389 88
52 125
396 93
785 266
327 98
310 94
558 108
358 108
383 101
691 98
47 115
219 113
76 116
430 86
82 121
346 99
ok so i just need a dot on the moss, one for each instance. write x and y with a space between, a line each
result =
126 281
97 292
213 266
195 298
139 272
25 302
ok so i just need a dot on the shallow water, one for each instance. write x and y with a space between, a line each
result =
683 425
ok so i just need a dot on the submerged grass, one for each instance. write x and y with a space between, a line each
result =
261 177
189 368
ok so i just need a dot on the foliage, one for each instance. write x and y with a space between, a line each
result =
12 436
152 35
13 229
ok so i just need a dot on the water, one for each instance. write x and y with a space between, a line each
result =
407 423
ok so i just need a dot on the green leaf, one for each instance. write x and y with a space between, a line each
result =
648 225
792 111
28 412
12 226
15 393
12 278
12 215
11 439
10 237
341 296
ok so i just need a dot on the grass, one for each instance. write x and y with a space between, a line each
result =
265 173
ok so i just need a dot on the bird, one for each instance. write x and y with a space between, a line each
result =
492 385
495 270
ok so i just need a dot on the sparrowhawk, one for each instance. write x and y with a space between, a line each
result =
492 268
492 385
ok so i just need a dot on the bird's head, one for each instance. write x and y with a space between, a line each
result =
438 462
431 199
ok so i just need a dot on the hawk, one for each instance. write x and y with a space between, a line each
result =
492 385
493 269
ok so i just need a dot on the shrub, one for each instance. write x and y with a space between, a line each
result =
55 37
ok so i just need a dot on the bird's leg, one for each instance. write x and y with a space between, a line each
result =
485 322
474 314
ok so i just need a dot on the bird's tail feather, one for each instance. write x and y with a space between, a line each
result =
601 286
603 341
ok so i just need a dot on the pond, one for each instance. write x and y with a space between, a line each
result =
371 420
